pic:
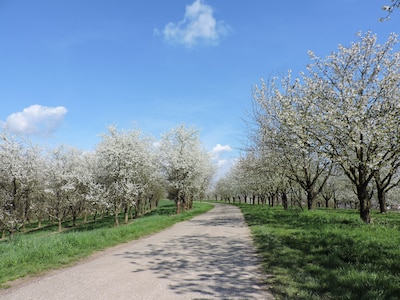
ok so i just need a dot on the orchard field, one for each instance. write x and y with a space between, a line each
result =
327 254
35 252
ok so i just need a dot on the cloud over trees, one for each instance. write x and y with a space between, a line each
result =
35 119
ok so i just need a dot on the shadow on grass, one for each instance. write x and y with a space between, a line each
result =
165 208
326 254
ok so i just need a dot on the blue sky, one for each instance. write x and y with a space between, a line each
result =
70 68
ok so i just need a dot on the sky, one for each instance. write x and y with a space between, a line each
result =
69 69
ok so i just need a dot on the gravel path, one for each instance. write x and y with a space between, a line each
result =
208 257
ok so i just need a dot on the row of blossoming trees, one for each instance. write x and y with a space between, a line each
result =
333 132
126 174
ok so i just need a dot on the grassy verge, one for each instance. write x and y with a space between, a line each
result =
327 254
29 254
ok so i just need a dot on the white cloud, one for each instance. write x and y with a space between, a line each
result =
221 161
36 119
198 26
218 149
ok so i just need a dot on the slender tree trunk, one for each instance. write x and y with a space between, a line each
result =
59 225
116 216
139 207
74 220
382 200
184 205
126 214
116 222
284 200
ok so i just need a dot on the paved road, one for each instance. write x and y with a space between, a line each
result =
208 257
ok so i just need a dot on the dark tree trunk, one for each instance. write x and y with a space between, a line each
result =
326 202
382 200
364 202
126 214
381 187
284 200
310 198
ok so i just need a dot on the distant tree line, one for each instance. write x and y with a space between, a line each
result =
126 174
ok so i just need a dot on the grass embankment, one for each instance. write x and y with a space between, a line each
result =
327 254
39 251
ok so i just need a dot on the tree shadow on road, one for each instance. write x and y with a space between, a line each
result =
213 266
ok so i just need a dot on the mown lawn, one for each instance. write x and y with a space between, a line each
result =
45 249
327 254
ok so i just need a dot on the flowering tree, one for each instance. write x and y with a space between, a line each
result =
390 8
76 177
59 185
356 111
125 167
282 112
18 180
185 165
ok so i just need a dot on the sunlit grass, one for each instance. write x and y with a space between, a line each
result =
27 254
327 254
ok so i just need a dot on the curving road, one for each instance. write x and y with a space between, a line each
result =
208 257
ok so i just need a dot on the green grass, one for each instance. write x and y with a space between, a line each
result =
39 251
327 254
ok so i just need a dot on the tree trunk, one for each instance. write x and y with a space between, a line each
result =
382 200
116 222
284 200
138 207
365 202
126 215
381 197
310 199
184 205
59 225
